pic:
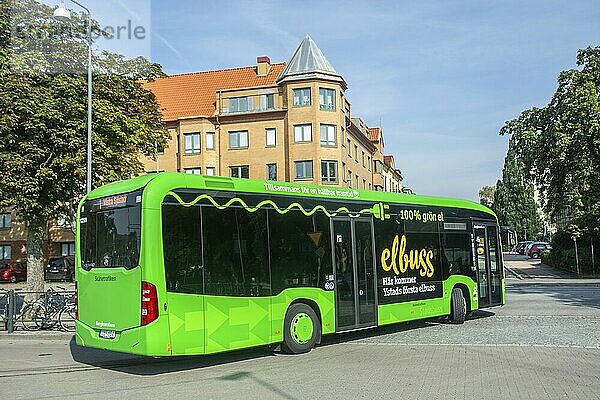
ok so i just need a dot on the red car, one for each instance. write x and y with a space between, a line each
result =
537 248
13 272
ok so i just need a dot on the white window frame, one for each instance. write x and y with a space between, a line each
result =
302 99
323 103
193 145
263 102
193 171
211 171
325 171
241 137
303 133
210 140
303 164
239 169
241 104
273 132
267 172
328 135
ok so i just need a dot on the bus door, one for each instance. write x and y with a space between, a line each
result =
353 257
489 265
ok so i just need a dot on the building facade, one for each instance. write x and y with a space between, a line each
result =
284 122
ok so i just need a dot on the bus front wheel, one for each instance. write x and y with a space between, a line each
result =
301 330
458 306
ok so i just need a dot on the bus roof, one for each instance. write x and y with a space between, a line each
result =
164 181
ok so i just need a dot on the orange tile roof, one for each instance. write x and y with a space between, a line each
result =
374 134
194 94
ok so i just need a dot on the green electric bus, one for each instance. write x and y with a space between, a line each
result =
179 264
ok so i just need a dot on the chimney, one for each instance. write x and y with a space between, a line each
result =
263 65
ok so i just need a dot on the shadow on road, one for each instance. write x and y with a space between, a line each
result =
140 365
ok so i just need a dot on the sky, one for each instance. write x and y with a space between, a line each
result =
441 77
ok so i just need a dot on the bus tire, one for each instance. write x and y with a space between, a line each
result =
301 329
458 306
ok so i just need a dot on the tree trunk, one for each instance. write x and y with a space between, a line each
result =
35 258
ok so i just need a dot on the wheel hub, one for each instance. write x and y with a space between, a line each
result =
301 328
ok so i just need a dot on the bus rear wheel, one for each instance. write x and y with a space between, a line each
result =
458 306
301 330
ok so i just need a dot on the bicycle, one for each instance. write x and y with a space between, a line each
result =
44 313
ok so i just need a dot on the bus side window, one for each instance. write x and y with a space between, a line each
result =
300 250
182 248
457 259
236 257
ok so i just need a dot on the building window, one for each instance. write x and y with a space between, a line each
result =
241 104
194 171
364 184
266 102
343 171
67 249
238 139
5 220
328 137
369 162
271 172
304 169
329 171
191 143
356 181
349 144
210 140
349 178
160 149
301 97
356 153
327 99
363 158
271 136
369 185
239 171
303 133
5 253
210 171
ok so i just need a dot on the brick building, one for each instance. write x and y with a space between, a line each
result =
284 121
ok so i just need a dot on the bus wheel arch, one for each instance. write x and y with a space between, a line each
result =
301 327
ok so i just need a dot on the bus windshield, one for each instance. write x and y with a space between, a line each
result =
110 231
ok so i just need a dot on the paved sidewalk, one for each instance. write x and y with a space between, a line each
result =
528 270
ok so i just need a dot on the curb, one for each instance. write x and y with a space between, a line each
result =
48 335
517 275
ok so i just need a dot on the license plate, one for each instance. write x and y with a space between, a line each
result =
108 334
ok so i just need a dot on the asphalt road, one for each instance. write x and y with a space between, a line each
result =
545 344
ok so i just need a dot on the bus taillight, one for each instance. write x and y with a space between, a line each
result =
149 303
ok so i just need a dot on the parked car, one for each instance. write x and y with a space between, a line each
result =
13 272
60 269
536 248
520 247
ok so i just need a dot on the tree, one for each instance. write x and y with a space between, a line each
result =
486 196
560 144
43 119
514 201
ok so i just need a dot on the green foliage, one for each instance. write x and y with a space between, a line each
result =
559 144
514 202
43 115
486 196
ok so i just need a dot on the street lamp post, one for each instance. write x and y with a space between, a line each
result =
62 14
